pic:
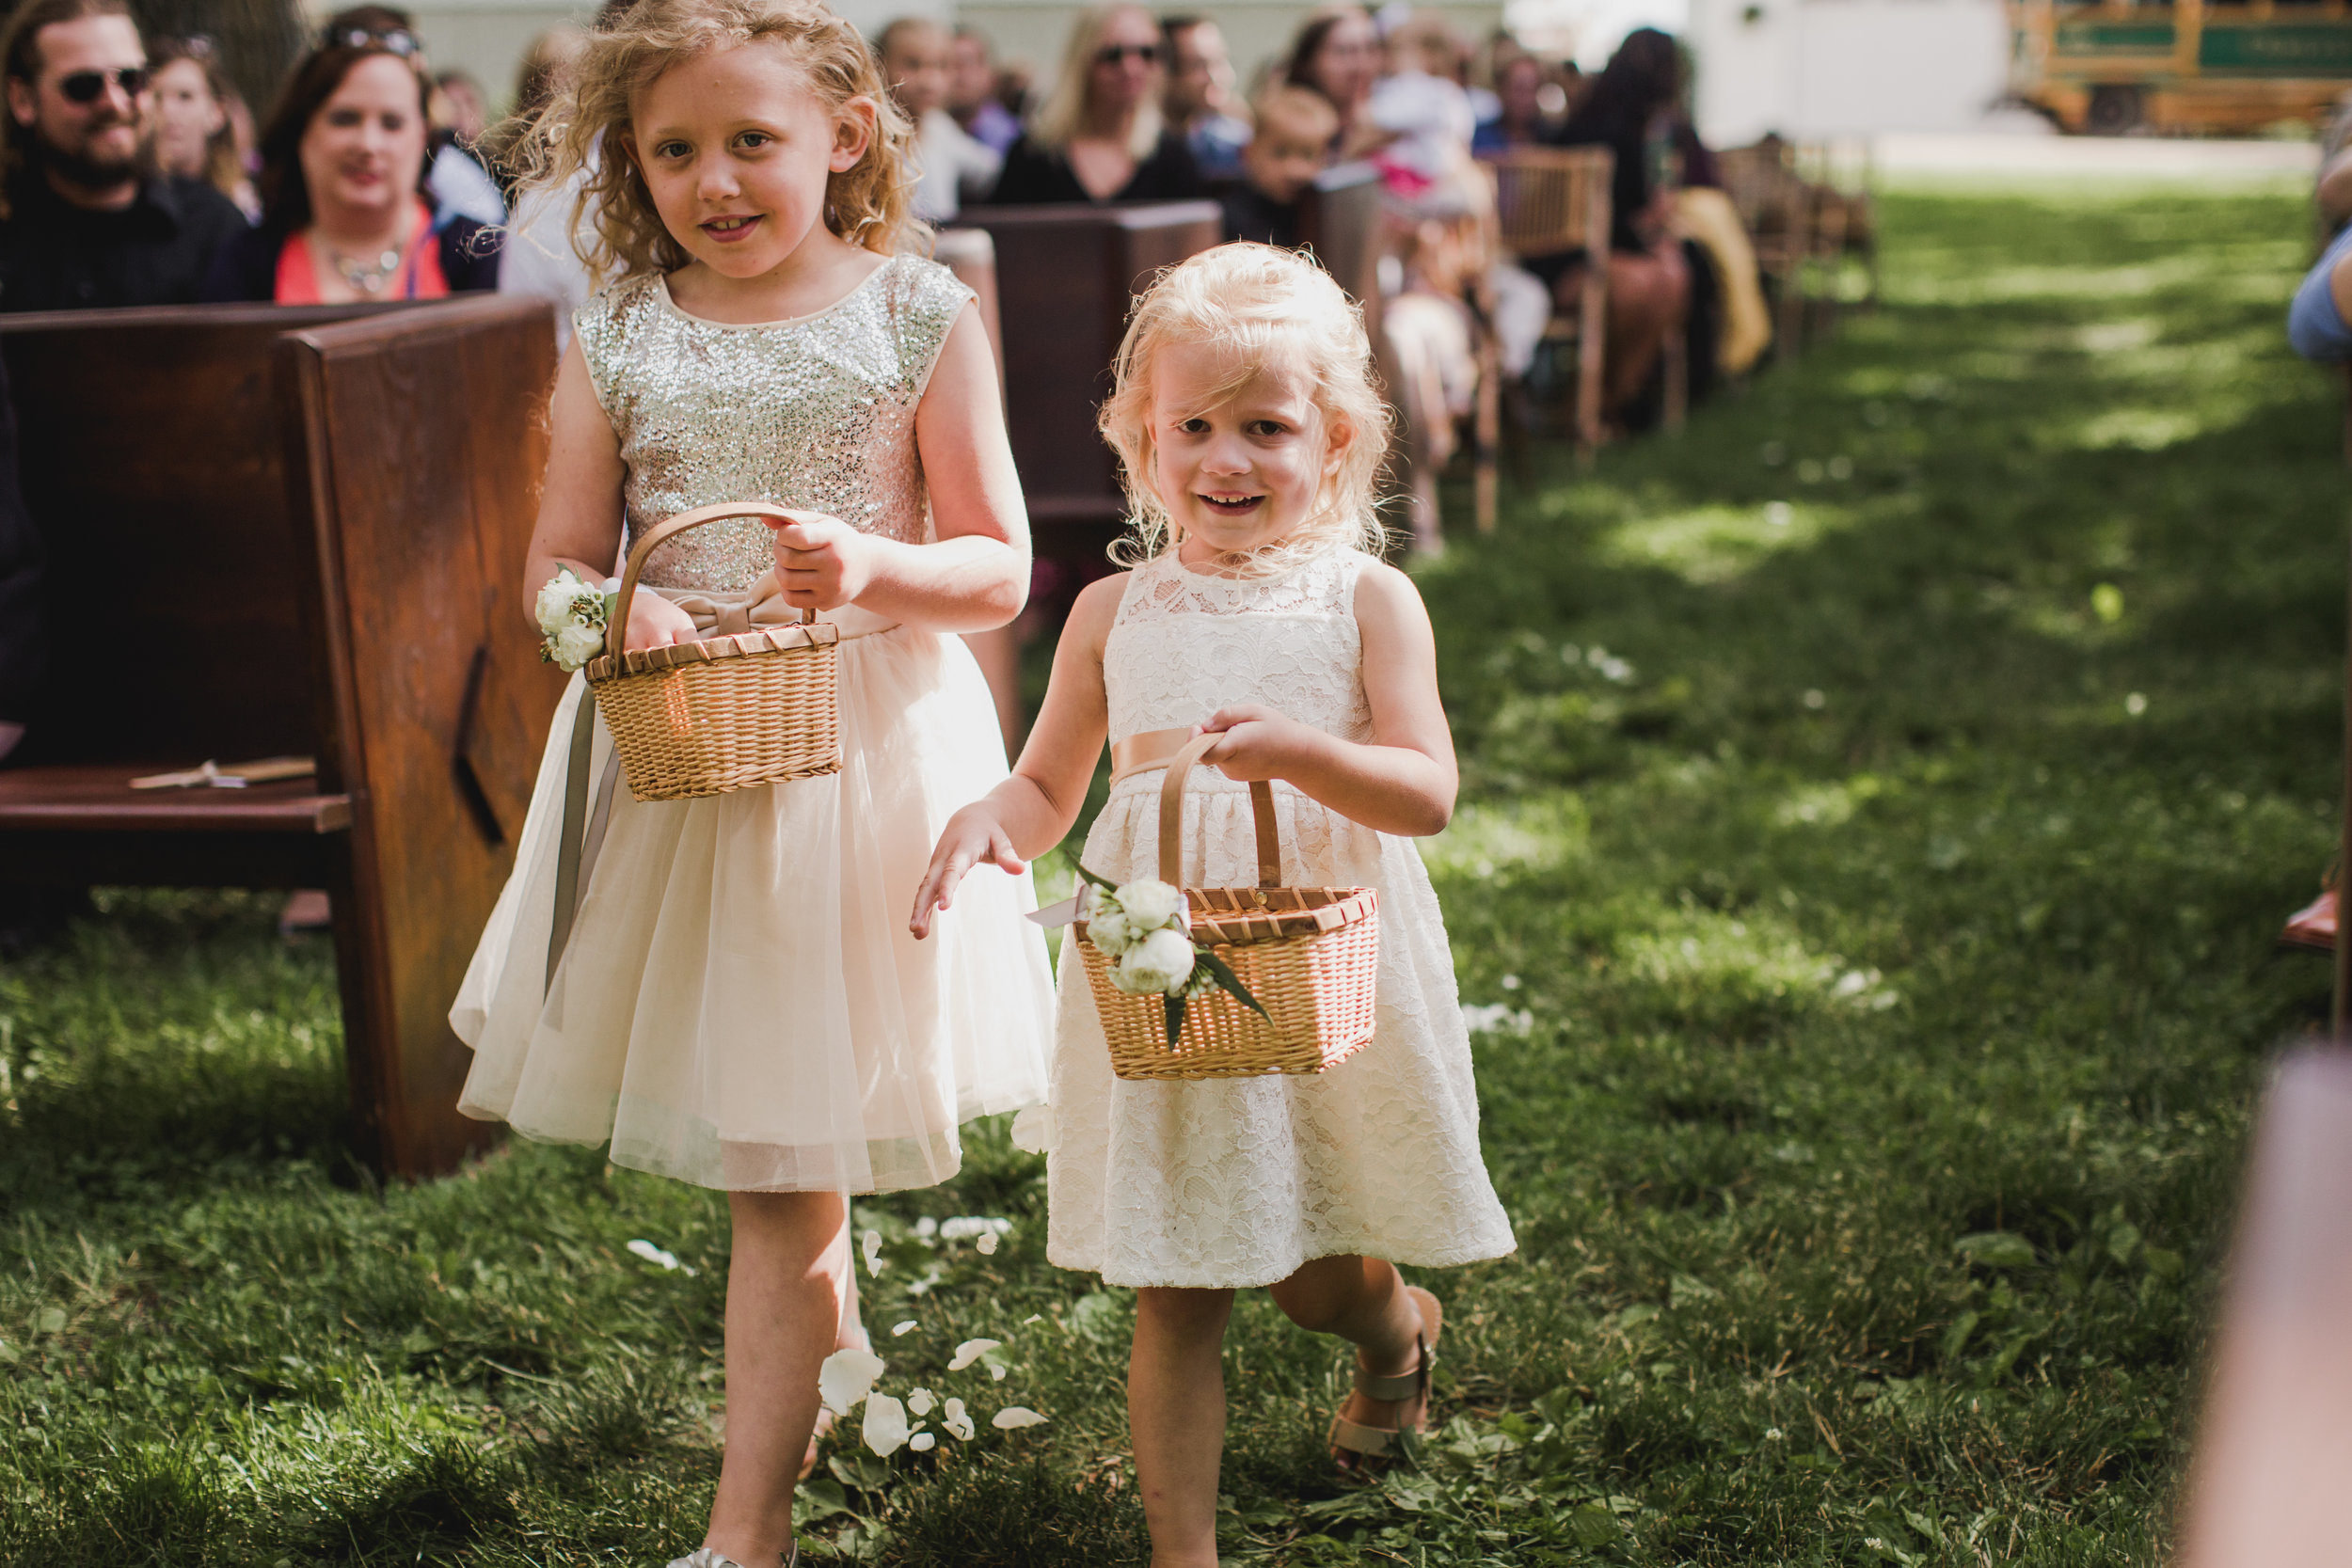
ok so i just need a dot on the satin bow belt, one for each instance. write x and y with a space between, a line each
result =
717 612
1146 749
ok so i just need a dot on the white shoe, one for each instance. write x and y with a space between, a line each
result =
704 1557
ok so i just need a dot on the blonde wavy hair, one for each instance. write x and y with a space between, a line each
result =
1058 120
579 132
1267 307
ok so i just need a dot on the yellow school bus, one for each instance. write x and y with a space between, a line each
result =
2186 65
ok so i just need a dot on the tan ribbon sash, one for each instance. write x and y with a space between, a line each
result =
717 612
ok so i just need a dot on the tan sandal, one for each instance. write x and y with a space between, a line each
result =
1355 1446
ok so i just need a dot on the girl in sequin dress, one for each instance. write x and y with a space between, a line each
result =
1250 431
738 1004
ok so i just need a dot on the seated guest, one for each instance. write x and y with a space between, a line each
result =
1337 54
194 139
1519 118
1200 100
1631 109
917 59
1295 131
972 93
82 224
1100 135
346 214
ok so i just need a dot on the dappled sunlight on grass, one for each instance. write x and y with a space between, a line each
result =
1711 544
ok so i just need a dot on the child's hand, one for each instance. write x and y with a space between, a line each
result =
654 622
974 837
1256 742
821 562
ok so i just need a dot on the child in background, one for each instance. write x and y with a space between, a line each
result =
1293 142
1251 430
736 1005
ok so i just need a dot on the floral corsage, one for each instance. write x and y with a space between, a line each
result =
1144 930
573 614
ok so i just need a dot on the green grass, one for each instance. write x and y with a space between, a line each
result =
1880 801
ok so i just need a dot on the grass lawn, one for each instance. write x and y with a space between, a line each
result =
1879 804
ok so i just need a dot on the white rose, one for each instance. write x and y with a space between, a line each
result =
575 644
1109 928
554 605
1161 962
1150 904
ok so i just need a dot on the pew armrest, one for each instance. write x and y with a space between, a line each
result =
82 799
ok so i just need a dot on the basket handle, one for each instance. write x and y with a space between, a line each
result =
1172 818
616 631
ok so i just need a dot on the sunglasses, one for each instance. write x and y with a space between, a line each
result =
394 40
1115 54
83 86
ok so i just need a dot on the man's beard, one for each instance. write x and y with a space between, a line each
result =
80 168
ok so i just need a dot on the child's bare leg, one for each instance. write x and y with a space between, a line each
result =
1367 1303
784 1313
1176 1412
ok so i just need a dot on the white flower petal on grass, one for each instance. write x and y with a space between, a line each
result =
655 1255
987 1243
971 1351
1014 1417
919 1401
846 1377
1033 1318
923 1442
926 1227
885 1428
1033 1130
872 1244
1150 904
898 1330
965 1226
995 1371
956 1420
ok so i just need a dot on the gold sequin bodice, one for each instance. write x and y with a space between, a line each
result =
816 413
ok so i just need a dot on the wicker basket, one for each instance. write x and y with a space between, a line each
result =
733 712
1310 955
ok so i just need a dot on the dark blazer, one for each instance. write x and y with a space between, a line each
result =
247 267
54 255
1036 174
23 650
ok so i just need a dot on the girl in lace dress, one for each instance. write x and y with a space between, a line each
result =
1252 432
737 1004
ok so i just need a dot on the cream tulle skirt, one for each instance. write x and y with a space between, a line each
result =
740 1005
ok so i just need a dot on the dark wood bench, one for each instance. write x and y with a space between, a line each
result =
1340 219
296 532
1066 278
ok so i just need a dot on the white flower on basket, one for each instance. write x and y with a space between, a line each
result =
576 645
1108 927
1160 962
1152 904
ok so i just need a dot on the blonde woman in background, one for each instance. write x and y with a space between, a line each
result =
1100 135
194 137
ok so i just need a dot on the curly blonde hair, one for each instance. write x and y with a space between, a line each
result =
579 132
1266 306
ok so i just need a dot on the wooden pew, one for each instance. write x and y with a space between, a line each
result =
280 532
1340 220
1066 278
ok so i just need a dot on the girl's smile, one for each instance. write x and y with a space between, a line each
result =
1240 452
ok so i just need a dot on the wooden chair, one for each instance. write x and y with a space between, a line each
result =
1549 200
1341 220
296 532
1778 211
1067 276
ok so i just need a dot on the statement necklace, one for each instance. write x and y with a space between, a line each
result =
367 279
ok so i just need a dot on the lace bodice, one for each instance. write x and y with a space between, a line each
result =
816 412
1185 645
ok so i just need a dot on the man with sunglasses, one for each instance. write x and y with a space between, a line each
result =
85 220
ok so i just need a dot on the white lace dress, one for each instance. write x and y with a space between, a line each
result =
1236 1182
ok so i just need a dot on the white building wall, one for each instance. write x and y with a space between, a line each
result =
1829 68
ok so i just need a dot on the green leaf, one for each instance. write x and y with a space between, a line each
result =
52 1321
1997 1249
1956 1337
1231 981
1091 880
2122 1242
861 1470
1594 1527
1173 1010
